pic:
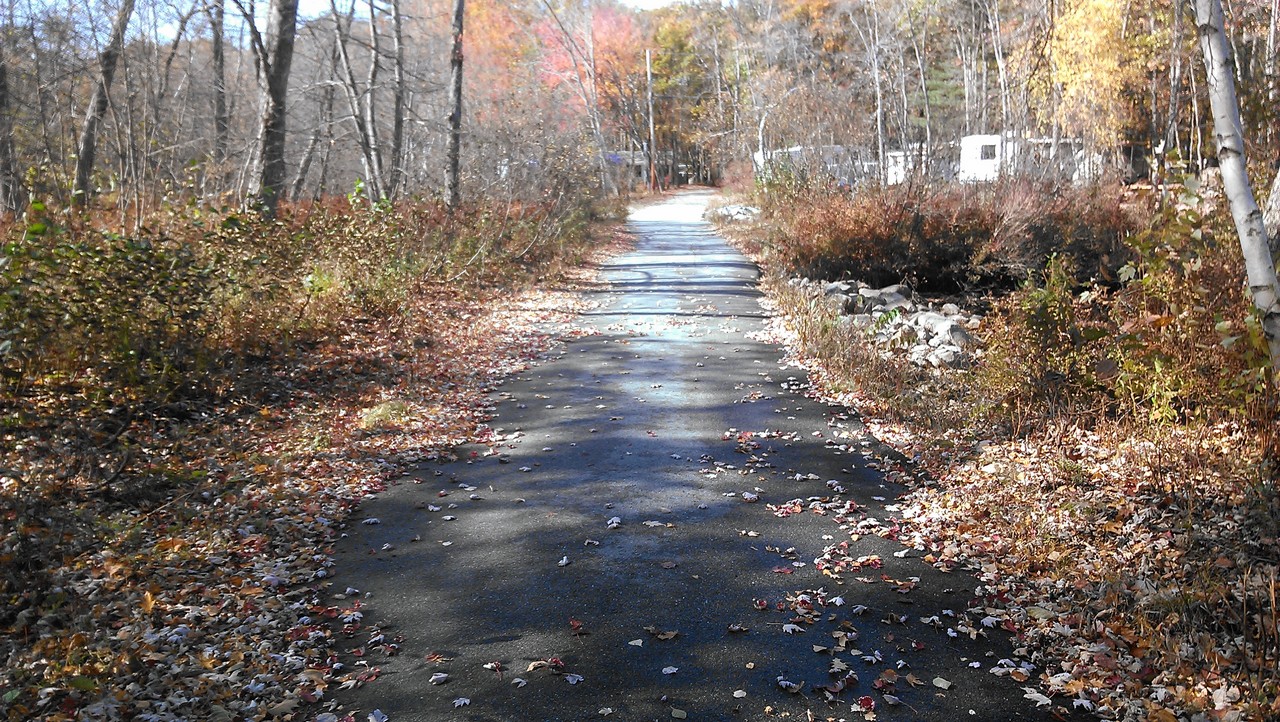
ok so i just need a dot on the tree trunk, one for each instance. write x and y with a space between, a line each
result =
87 149
1271 217
1229 134
453 188
398 102
267 183
10 183
371 104
217 12
372 176
323 126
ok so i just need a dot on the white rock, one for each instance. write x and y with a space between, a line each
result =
950 309
929 320
944 357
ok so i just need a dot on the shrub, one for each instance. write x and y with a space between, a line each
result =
135 316
1175 337
947 238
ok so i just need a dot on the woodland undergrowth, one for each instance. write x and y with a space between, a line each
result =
1107 465
191 406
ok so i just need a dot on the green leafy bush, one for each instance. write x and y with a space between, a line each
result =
136 316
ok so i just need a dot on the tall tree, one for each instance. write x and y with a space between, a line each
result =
217 11
10 183
453 187
399 102
87 148
1229 134
275 57
1272 216
362 102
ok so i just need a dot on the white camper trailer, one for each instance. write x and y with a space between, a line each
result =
981 157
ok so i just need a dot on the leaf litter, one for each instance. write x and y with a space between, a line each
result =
1135 577
214 602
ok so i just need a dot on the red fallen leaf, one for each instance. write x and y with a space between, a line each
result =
357 652
866 703
782 570
917 646
576 628
761 604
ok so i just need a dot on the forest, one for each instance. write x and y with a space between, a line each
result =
258 258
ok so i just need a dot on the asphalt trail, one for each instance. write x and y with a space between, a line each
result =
632 423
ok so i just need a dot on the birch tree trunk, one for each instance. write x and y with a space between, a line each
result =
87 148
1271 217
268 180
1229 134
453 151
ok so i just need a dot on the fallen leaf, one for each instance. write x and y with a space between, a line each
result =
670 670
678 713
636 643
439 678
573 678
941 683
739 693
793 629
462 702
564 561
378 716
1034 695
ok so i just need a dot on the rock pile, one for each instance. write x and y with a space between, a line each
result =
895 321
736 213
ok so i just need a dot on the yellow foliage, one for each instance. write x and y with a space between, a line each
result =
1095 67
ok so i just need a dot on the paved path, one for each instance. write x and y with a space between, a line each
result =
643 422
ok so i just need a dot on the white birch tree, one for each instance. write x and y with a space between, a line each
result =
1229 136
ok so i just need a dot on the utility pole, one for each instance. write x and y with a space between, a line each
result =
653 145
453 193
